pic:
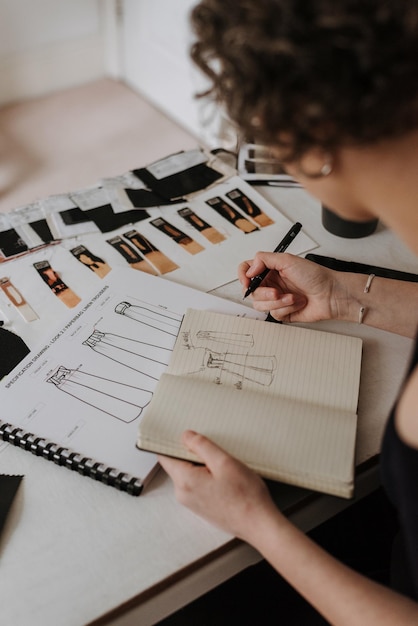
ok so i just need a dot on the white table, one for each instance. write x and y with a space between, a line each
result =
76 552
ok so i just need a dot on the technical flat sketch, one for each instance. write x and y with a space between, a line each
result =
161 319
119 400
146 358
236 361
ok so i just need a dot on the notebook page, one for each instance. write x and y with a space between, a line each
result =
283 439
313 366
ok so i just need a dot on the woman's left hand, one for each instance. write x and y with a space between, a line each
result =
222 490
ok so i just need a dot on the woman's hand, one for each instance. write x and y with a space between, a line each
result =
295 290
223 490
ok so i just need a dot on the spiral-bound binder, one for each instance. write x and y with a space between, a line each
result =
70 459
78 398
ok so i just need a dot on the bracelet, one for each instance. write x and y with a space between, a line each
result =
363 309
369 282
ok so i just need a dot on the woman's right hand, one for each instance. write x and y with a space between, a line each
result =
295 290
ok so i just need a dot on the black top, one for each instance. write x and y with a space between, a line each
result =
399 469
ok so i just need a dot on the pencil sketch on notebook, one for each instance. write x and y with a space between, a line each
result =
230 354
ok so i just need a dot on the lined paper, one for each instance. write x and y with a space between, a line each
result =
311 365
282 399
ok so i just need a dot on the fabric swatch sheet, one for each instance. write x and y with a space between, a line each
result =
56 251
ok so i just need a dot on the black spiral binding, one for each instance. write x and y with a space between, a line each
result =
70 459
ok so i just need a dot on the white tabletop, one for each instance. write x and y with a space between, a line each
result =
74 550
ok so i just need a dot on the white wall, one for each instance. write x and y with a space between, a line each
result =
47 45
155 42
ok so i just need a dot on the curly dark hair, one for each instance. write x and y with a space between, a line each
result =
312 72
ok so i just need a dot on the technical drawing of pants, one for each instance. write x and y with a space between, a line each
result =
164 321
145 358
255 368
124 402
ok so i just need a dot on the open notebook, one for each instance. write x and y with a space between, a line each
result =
281 398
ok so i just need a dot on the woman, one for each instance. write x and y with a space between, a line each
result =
333 88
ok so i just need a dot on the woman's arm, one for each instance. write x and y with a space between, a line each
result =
343 596
232 497
298 290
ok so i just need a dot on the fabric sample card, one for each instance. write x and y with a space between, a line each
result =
56 284
212 234
93 262
233 216
18 301
249 207
131 256
157 258
186 242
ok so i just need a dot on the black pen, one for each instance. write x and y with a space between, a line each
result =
283 245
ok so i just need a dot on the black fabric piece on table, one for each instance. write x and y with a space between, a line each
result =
106 219
74 216
12 350
143 198
8 488
181 184
42 229
11 243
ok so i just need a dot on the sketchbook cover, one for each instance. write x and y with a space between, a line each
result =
88 384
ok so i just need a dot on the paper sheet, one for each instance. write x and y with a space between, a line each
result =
87 385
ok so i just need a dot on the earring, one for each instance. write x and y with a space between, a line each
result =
325 170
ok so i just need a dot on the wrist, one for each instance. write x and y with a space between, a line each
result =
351 299
260 522
269 530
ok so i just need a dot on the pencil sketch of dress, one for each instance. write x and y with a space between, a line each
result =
238 360
258 369
145 358
124 402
